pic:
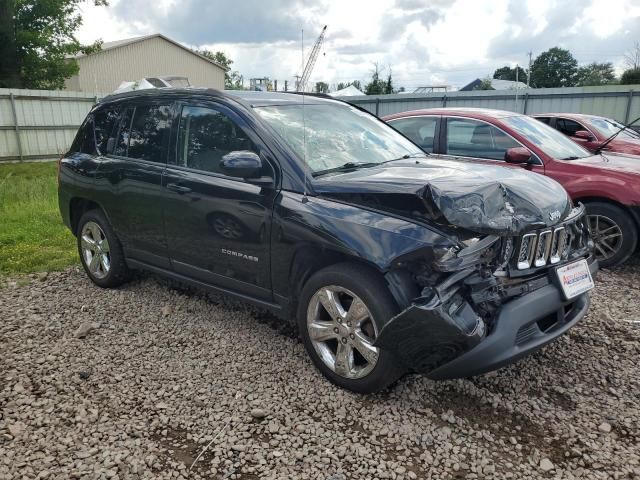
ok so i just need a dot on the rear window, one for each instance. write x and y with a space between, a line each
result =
144 133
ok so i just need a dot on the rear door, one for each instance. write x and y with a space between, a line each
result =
218 227
130 177
472 140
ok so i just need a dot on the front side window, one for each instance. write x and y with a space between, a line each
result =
206 135
546 120
144 133
547 139
568 127
329 135
472 138
421 130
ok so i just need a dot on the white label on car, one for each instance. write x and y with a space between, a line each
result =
575 279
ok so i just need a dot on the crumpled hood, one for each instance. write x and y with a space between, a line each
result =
480 198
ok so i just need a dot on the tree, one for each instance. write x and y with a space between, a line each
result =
554 68
232 78
322 87
630 77
595 74
485 84
632 59
508 73
388 86
37 42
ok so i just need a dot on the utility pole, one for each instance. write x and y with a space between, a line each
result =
529 71
286 85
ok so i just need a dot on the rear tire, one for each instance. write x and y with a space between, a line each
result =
100 251
341 347
614 233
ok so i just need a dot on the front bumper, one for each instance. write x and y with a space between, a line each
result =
522 326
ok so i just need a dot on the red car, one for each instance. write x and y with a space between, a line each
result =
608 184
591 131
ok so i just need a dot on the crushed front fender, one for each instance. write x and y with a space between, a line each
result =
430 333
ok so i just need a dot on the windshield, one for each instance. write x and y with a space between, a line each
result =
336 134
608 127
547 139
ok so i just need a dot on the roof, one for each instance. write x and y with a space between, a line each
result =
251 98
129 41
465 112
568 115
496 84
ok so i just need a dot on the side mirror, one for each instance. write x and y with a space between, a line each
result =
517 155
583 135
241 163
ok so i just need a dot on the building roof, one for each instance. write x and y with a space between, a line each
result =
128 41
349 91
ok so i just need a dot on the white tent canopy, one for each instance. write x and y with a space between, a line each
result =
350 91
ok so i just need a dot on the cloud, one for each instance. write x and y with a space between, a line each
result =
199 22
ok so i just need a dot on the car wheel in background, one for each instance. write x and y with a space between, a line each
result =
100 251
613 231
342 309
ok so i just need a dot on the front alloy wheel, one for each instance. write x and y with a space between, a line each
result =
342 332
607 236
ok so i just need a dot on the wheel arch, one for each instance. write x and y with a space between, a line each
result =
591 198
78 206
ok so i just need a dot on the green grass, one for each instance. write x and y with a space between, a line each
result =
32 235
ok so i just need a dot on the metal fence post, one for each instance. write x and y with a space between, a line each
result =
444 100
377 106
526 100
15 125
628 111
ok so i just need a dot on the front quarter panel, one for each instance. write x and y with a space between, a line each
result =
311 231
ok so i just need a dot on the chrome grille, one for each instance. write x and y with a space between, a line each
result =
551 246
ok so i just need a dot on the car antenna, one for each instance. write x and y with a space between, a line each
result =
608 140
305 198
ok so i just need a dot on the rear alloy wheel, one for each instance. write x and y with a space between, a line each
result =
342 309
100 250
613 231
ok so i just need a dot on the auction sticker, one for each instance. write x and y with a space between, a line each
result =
575 279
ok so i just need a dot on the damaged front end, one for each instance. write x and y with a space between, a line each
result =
461 290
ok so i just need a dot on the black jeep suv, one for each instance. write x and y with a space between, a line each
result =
391 260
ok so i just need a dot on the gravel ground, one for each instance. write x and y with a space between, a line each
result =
139 382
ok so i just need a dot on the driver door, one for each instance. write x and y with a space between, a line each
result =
218 227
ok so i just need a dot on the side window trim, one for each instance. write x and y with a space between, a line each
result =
445 121
240 122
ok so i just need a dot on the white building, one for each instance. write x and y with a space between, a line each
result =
135 58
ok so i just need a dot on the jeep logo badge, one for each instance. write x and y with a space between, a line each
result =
555 215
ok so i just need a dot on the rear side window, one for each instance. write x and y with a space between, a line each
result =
421 130
104 121
144 133
84 141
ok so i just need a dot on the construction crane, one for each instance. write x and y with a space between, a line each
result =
313 56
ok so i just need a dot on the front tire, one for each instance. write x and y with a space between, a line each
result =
341 311
100 251
613 231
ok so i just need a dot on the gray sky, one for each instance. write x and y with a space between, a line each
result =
424 42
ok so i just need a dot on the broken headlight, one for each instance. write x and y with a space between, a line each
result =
477 251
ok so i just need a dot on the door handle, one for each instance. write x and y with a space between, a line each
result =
178 188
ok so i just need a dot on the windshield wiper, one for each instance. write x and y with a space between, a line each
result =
570 158
608 140
406 156
345 167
